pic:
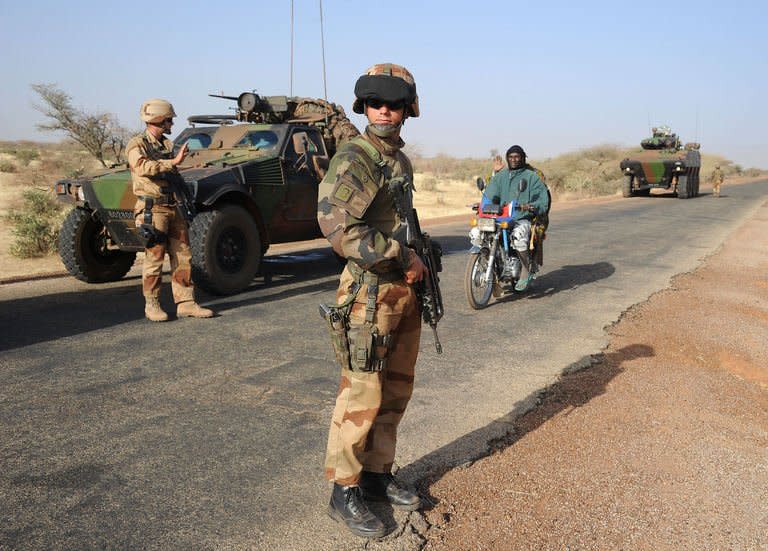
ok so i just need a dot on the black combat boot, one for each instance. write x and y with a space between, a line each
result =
384 487
347 506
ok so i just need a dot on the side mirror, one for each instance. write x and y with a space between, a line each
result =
480 183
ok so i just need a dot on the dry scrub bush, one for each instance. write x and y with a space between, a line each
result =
36 225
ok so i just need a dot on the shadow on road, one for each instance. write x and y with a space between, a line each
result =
566 278
575 388
31 320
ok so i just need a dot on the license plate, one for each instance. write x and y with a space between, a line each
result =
486 224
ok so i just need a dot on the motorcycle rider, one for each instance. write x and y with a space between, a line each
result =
519 182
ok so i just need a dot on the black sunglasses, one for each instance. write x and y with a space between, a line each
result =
391 105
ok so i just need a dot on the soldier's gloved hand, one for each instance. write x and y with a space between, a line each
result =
416 270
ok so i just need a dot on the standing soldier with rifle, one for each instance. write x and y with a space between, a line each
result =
375 325
160 199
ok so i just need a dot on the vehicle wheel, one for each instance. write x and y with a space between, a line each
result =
626 187
683 185
477 289
226 249
83 249
696 183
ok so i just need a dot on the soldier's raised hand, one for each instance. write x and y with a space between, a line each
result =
180 155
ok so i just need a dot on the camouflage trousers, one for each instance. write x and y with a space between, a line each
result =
167 220
716 189
370 405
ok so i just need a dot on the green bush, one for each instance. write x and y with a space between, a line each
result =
27 155
36 226
5 166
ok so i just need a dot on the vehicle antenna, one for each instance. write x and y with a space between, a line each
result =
322 49
291 86
696 139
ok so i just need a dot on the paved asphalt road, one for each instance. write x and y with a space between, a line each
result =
209 434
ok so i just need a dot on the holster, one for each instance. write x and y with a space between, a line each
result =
358 347
147 231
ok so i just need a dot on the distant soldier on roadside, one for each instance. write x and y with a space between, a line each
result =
151 161
377 323
717 180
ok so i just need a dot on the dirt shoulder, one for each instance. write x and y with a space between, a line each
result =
661 444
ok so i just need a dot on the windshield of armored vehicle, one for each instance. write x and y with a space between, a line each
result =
198 141
263 139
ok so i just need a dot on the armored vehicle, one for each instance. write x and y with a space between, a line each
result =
252 176
663 163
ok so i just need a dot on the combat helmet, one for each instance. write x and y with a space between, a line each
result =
156 110
387 82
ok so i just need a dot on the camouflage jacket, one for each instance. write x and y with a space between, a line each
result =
505 184
717 176
356 212
149 159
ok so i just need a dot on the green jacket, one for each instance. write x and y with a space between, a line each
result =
506 185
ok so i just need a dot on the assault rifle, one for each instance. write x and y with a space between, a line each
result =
183 196
430 252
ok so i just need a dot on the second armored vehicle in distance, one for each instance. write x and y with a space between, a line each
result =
663 163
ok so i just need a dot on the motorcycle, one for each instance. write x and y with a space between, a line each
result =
493 267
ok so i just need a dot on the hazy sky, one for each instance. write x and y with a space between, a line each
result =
553 76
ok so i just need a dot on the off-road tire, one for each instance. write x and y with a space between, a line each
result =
226 249
683 187
626 186
82 247
695 192
478 296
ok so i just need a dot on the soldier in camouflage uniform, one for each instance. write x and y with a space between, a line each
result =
717 180
357 214
150 159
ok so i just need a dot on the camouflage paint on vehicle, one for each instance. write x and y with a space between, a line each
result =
268 159
663 163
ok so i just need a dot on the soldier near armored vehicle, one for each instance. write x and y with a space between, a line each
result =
378 318
157 215
519 181
717 179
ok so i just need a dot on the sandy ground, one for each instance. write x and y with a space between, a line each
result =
661 444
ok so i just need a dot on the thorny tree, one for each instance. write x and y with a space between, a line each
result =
98 133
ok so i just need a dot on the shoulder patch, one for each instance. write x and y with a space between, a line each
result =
343 192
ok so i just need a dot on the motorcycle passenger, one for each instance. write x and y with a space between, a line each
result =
518 182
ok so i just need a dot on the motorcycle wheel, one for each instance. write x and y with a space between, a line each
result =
477 290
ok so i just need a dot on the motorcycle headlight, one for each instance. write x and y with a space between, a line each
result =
486 224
